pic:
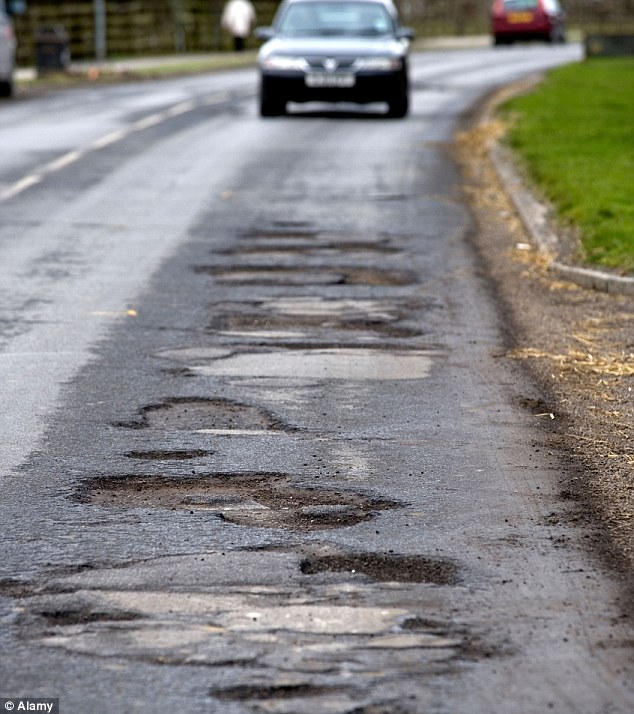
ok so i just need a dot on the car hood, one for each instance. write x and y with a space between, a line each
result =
339 46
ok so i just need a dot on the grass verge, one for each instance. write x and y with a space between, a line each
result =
575 133
132 69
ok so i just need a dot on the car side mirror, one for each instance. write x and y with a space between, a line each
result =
405 33
264 33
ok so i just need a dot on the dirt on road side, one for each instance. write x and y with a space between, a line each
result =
578 344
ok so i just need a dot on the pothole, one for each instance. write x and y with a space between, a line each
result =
262 692
385 567
281 275
328 308
334 308
425 624
311 248
80 616
317 313
13 588
197 414
259 322
267 500
178 372
285 232
168 455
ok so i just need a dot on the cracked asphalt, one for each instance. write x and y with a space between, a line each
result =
263 447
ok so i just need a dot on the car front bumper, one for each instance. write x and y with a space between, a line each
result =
368 87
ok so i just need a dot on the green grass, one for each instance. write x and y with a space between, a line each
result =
575 134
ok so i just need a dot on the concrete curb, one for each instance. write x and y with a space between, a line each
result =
535 218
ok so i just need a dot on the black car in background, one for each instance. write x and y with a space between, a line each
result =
333 51
7 52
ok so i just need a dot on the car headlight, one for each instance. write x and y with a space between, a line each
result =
284 62
378 64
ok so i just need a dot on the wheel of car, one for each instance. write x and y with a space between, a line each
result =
398 107
271 106
6 88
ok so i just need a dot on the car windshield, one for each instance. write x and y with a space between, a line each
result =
520 5
310 19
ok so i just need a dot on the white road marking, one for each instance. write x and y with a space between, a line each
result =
114 137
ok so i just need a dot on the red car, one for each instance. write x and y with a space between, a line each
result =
527 20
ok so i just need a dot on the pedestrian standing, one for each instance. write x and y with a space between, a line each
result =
238 17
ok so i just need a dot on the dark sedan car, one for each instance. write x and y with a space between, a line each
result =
332 51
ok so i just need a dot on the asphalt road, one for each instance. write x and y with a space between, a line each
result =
260 451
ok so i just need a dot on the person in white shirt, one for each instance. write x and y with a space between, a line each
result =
238 17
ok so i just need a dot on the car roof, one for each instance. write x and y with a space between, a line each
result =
388 4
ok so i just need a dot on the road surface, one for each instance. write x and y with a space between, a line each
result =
260 450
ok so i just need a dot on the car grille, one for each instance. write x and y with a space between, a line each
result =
330 64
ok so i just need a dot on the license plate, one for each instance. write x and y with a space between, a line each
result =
330 80
517 18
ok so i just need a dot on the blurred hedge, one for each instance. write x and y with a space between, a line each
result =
143 27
